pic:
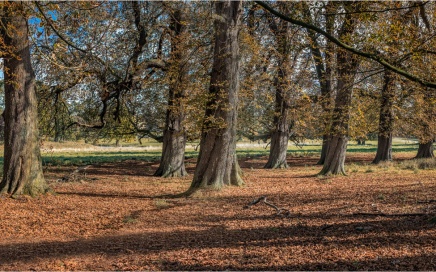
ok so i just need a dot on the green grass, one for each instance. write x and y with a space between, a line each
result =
83 158
312 148
95 157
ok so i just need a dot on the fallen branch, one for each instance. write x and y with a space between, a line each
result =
74 176
390 214
280 211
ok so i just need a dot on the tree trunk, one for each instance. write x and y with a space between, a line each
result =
174 139
278 150
386 123
22 169
425 150
335 154
58 128
217 164
325 145
335 159
280 134
384 148
347 65
173 155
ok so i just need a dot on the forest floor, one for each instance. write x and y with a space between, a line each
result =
376 218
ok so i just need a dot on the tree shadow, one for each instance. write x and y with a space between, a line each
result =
220 237
413 263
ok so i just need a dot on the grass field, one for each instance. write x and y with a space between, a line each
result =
74 154
80 153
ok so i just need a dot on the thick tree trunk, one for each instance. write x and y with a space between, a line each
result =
425 150
173 151
337 143
325 145
347 65
22 169
386 123
174 139
335 159
278 150
384 148
280 134
217 164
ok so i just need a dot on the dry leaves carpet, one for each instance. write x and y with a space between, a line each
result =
376 218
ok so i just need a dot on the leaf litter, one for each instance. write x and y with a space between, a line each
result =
109 220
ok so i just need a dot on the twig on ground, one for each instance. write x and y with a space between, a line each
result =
280 211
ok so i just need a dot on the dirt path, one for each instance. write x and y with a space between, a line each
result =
106 221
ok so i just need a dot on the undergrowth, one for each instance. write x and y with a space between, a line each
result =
428 163
413 164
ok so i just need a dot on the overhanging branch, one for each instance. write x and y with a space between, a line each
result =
372 56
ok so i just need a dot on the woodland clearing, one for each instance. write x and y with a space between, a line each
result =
376 218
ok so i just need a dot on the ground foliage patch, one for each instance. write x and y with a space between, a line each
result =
376 218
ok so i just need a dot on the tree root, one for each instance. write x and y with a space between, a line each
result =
280 211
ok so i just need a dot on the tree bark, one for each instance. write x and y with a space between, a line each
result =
347 64
174 138
217 164
324 148
335 159
58 128
22 169
337 142
386 123
280 134
425 150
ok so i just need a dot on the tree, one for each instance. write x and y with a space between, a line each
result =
22 169
386 121
217 164
174 136
347 64
399 35
275 76
334 161
426 125
115 55
425 150
422 79
281 130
